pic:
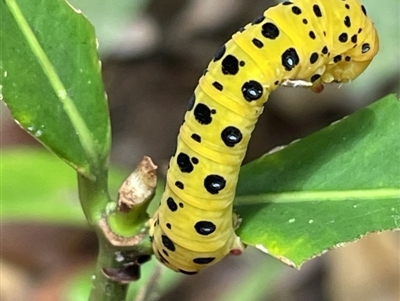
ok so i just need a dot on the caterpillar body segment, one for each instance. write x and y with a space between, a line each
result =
304 42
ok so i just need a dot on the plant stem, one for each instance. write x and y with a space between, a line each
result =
94 198
120 256
104 289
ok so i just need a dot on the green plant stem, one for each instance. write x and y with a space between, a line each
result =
128 224
94 198
104 289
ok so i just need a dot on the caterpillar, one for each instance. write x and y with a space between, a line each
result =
295 43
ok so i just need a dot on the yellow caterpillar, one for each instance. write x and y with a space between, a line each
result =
296 43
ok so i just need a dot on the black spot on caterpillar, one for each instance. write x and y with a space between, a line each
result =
291 42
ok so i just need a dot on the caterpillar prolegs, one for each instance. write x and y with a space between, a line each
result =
299 42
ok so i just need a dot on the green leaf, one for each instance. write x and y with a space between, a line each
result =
37 186
50 79
329 188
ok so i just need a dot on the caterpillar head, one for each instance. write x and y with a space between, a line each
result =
350 64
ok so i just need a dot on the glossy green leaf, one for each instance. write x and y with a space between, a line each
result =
37 186
329 188
50 79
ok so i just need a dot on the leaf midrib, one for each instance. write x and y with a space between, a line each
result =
327 195
84 134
